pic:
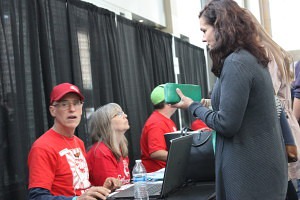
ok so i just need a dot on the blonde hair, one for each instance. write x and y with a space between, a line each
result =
275 52
101 130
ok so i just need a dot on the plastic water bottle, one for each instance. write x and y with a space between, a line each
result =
139 176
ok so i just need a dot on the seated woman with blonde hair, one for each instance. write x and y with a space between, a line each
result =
108 157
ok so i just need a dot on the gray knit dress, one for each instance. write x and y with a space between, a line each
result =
250 154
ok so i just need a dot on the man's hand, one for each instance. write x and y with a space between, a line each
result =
185 101
112 183
94 193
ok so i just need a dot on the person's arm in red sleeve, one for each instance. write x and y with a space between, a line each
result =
156 144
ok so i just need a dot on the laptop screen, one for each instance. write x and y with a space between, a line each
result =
178 157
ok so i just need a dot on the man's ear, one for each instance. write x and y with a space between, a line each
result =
52 111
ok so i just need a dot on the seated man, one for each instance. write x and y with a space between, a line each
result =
56 161
153 146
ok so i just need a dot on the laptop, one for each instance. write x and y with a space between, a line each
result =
174 175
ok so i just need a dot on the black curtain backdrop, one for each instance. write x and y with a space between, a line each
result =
111 59
192 69
22 113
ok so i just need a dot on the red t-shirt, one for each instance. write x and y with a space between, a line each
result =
103 164
152 139
58 164
198 124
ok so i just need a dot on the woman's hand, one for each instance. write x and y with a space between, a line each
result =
185 101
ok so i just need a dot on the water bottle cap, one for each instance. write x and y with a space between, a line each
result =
138 161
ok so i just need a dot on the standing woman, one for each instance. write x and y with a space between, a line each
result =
250 153
279 68
108 157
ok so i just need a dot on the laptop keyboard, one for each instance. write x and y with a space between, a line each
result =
153 188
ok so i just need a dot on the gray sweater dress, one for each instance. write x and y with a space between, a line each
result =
250 154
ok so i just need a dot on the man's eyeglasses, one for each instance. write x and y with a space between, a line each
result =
65 105
119 114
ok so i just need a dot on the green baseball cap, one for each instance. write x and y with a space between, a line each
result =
158 94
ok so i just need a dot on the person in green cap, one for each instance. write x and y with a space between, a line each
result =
153 146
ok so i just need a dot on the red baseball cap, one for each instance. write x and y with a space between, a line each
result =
62 89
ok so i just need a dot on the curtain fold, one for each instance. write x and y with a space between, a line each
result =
146 61
192 69
95 56
22 114
51 33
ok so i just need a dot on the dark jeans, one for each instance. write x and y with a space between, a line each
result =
291 192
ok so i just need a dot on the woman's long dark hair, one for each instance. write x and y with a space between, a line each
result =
234 30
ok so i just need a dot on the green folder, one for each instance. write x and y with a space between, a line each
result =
189 90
